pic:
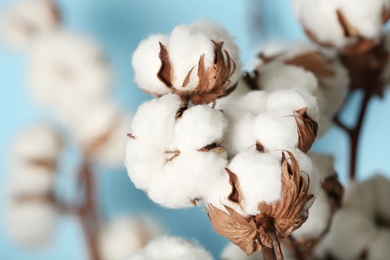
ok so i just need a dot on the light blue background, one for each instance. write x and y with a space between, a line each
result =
119 25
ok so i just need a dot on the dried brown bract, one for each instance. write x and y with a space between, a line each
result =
276 220
214 81
312 61
307 129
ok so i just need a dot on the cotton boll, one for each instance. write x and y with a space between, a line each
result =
30 179
147 63
40 141
294 99
350 234
25 21
65 68
233 252
143 162
186 46
154 120
324 163
334 88
318 220
198 127
381 188
279 76
259 177
378 248
111 146
30 224
240 135
187 179
360 196
125 235
276 130
172 248
253 102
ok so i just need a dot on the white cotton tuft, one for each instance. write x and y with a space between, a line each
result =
318 220
380 186
154 120
324 163
294 99
25 21
143 162
110 147
253 102
146 63
259 177
378 248
125 235
30 179
186 179
279 76
233 252
240 134
40 141
30 224
312 15
350 234
187 43
172 248
241 89
276 130
360 196
67 69
198 127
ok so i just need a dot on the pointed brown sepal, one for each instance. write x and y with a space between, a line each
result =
233 180
239 230
165 72
131 136
307 129
214 147
314 62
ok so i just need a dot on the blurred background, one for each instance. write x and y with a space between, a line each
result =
119 26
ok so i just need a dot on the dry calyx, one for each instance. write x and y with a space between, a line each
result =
277 219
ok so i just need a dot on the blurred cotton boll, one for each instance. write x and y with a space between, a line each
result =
30 223
233 252
66 69
124 235
25 21
172 248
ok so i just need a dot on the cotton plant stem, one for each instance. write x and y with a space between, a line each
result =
87 212
355 132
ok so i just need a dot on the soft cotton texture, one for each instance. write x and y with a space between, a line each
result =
172 248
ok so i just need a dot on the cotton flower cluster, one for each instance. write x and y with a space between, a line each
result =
172 248
31 214
26 20
198 62
306 68
69 75
361 227
351 26
125 235
174 151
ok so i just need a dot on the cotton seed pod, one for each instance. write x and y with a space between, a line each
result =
200 128
187 179
125 235
30 222
343 28
173 248
66 70
350 234
199 62
25 21
277 219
